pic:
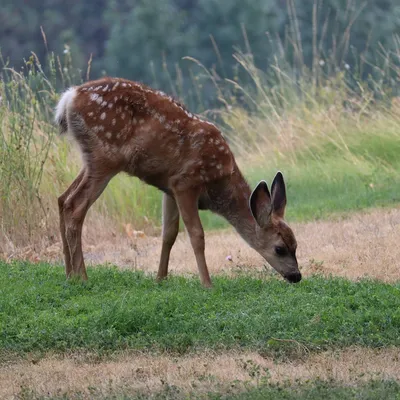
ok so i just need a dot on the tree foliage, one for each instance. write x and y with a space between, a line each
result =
141 39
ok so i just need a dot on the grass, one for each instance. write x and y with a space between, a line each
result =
40 311
374 390
315 390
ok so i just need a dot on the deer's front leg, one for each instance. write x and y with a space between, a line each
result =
169 233
188 207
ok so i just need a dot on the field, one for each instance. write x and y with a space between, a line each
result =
121 335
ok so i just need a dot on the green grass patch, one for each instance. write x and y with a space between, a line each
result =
326 179
40 311
315 390
375 390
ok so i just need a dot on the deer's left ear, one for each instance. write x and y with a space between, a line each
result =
260 204
278 195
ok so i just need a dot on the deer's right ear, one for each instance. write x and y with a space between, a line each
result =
260 204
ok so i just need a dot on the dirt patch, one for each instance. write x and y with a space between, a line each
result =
360 245
54 375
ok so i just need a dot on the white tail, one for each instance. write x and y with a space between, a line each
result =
121 125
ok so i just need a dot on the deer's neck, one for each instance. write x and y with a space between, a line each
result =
231 201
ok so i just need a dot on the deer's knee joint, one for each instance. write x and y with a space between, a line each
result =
170 234
197 234
197 239
61 201
68 205
169 240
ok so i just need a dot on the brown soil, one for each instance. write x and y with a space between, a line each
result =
366 244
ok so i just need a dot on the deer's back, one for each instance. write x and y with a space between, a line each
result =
127 126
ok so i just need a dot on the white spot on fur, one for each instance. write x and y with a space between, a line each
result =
98 128
104 103
113 122
99 100
94 96
110 105
221 148
105 88
123 115
108 135
124 84
219 166
115 86
217 142
98 88
115 98
90 114
103 115
134 121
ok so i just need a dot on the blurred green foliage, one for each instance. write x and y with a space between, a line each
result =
147 39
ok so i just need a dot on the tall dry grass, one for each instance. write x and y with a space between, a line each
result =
286 117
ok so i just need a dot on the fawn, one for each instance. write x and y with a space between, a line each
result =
125 126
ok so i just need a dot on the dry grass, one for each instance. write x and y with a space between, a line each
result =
74 373
360 245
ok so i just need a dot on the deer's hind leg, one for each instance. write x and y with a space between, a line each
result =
61 202
75 207
169 233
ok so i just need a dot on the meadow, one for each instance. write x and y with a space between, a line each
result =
121 335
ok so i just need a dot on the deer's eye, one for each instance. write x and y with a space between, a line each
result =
281 251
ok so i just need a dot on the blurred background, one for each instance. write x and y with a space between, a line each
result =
147 40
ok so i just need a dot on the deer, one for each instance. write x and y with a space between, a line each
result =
124 126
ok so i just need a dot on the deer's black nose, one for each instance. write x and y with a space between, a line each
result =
294 278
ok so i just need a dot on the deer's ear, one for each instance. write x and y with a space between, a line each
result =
260 204
278 191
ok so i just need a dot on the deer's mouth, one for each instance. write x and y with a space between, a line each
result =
293 278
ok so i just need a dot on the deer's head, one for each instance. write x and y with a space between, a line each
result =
274 240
